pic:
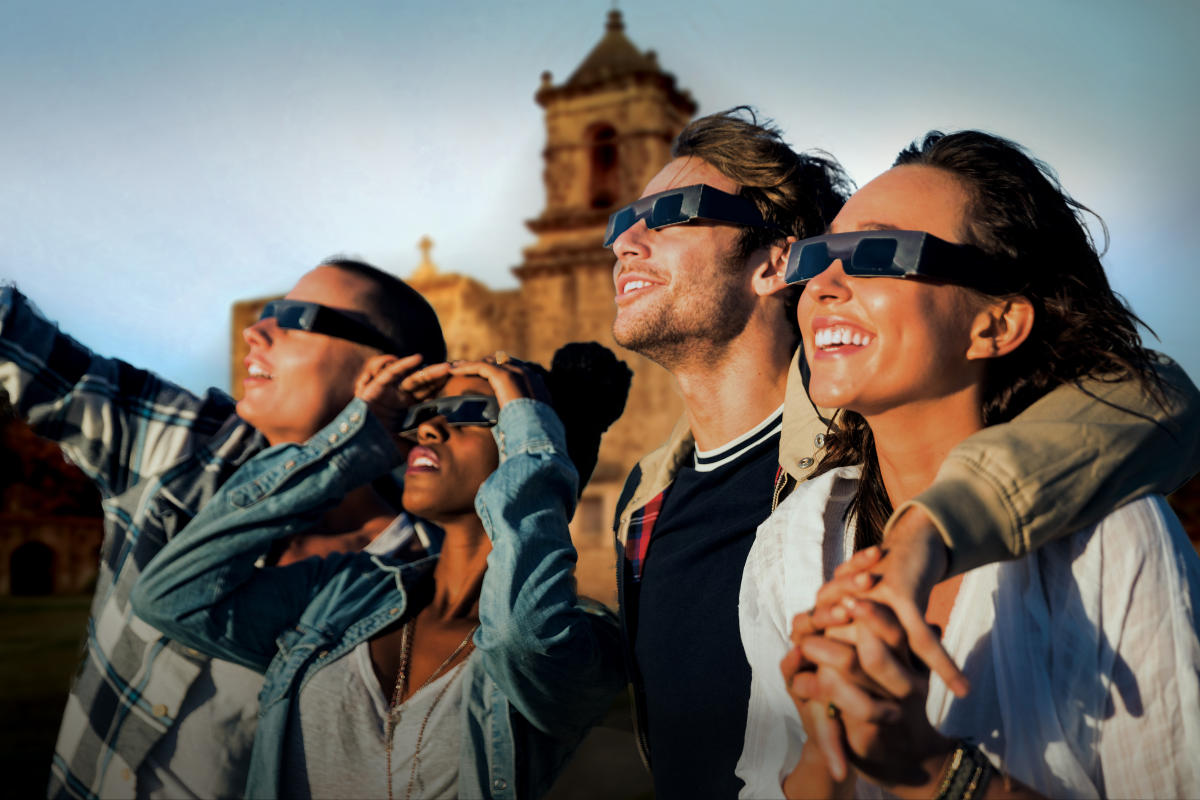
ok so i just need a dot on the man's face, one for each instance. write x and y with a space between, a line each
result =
682 286
299 381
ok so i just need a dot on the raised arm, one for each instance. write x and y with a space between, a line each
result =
556 656
115 422
204 588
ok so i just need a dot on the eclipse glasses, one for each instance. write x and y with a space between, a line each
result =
299 315
899 254
466 409
682 205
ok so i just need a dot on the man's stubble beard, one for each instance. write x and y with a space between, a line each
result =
698 325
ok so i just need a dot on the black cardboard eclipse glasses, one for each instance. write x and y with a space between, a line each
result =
465 409
299 315
899 254
681 205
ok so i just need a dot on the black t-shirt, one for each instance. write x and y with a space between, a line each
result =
687 646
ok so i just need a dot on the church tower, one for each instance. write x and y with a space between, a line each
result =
609 129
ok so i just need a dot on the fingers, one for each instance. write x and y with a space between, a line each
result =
426 381
862 560
849 584
509 380
879 619
826 731
927 646
854 688
884 666
821 618
382 371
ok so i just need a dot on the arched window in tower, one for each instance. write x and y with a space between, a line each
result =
605 187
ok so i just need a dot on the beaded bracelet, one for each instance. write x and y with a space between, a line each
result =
967 774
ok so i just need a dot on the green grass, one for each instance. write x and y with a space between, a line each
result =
40 646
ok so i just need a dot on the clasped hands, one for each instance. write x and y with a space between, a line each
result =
858 669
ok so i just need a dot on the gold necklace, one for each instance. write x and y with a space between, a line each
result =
393 717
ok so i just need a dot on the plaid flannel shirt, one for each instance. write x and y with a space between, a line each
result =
157 454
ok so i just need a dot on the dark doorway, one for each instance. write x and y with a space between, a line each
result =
31 570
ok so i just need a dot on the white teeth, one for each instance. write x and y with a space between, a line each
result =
424 461
632 285
838 336
255 371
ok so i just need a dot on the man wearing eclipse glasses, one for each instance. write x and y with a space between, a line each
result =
709 264
146 716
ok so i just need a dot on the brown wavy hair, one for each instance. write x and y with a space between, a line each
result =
1019 214
799 194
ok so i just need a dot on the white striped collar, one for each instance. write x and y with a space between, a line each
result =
708 460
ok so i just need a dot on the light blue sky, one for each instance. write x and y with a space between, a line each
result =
161 160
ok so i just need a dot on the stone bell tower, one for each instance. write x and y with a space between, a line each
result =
609 129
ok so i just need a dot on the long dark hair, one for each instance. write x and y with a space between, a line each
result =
1019 214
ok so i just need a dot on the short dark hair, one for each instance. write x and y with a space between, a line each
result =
798 193
398 311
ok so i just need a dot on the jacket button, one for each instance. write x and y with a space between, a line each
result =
806 462
819 440
393 611
500 784
322 654
289 465
333 437
343 427
159 710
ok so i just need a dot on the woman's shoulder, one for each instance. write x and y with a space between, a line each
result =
797 547
1141 531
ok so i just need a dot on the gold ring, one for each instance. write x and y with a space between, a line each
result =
832 711
502 357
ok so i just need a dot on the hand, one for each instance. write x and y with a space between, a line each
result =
509 380
824 745
813 698
901 575
879 696
390 385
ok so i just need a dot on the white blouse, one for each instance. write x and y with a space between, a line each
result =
1083 657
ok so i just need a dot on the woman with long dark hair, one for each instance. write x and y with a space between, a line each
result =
953 291
474 672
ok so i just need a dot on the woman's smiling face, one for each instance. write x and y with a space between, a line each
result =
876 343
450 462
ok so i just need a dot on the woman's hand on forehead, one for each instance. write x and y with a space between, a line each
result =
509 380
390 385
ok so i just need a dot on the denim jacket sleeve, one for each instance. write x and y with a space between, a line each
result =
115 422
1063 464
555 656
204 588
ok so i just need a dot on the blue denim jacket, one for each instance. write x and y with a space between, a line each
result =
549 662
